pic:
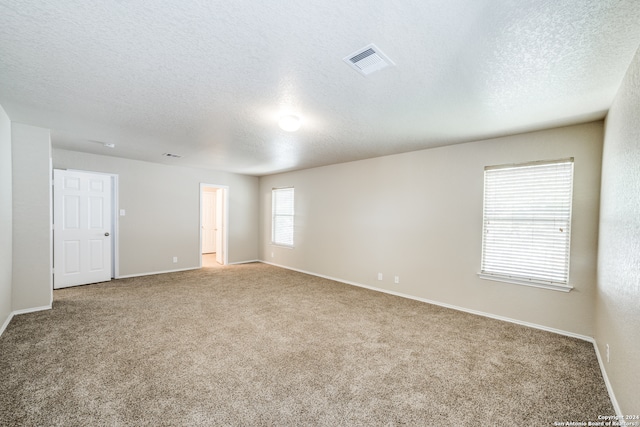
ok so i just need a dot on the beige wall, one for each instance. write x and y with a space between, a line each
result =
31 187
419 216
162 205
6 225
618 303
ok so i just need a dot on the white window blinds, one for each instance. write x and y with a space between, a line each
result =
527 223
282 216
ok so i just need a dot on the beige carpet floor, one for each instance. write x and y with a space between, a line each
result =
256 345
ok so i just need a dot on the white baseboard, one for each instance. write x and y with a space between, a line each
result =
126 276
22 311
180 269
612 395
592 340
442 304
6 323
244 262
32 309
151 273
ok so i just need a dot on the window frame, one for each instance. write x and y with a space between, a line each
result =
528 279
275 215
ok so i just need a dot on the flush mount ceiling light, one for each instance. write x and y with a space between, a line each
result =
289 122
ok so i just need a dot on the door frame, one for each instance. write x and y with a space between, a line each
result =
209 204
115 222
225 222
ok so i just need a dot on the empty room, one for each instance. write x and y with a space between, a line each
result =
421 213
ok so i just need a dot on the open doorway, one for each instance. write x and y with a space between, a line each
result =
213 225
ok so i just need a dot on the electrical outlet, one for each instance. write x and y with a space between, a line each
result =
396 279
175 259
272 255
608 353
379 276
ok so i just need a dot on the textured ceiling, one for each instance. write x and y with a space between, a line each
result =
208 79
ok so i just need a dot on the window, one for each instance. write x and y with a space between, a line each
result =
282 216
527 224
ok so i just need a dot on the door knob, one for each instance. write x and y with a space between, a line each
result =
106 234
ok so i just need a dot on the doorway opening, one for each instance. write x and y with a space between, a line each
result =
213 225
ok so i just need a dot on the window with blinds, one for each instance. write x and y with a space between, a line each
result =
527 223
282 216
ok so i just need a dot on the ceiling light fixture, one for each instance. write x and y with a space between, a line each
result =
289 122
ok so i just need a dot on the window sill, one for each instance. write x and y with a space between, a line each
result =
524 282
280 245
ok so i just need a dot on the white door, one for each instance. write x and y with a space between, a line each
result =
82 227
208 222
220 225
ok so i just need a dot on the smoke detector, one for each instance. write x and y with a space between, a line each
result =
104 144
368 59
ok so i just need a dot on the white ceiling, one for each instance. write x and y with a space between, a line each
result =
208 79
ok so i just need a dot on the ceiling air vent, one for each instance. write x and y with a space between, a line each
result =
368 59
175 156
